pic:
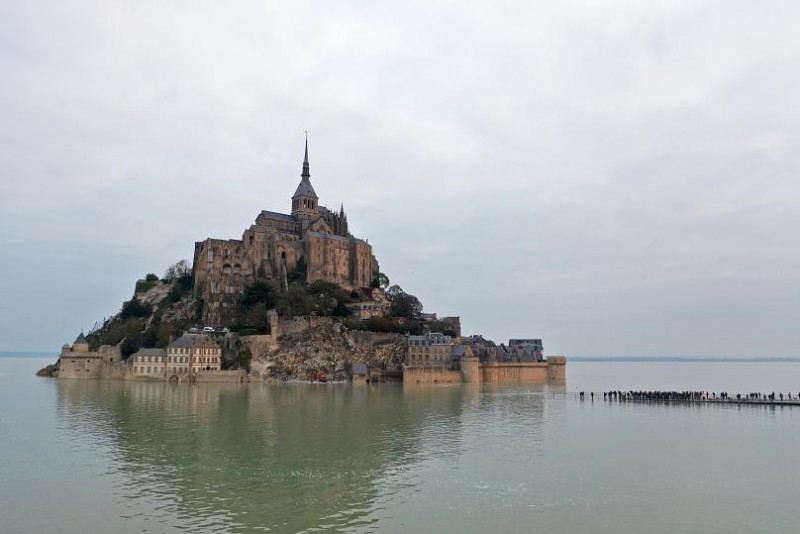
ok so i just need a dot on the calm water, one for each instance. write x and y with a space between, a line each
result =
150 457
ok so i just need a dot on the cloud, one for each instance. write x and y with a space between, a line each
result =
595 173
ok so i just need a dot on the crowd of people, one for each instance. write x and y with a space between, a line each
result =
689 396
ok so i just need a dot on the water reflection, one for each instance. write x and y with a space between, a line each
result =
233 458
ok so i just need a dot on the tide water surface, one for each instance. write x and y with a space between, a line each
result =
108 456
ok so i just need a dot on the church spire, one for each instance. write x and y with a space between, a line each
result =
305 200
306 172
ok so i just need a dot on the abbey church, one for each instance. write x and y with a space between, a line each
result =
272 247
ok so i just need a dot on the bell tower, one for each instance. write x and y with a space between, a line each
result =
305 202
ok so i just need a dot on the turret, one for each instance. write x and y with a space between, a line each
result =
81 344
305 202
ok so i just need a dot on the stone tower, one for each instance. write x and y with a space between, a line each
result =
305 200
272 248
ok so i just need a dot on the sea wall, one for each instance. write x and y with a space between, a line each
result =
534 372
431 375
552 371
235 377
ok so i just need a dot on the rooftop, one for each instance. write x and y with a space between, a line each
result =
191 340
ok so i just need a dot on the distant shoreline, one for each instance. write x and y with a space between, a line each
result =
27 354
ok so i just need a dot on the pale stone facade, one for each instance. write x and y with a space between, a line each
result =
271 248
148 363
191 354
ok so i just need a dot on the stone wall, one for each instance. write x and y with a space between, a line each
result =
236 377
417 376
82 363
509 373
557 369
552 371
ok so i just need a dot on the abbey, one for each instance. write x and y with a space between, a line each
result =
272 248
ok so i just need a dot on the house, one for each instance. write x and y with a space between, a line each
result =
192 353
148 363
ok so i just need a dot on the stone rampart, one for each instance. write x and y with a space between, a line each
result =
509 373
233 377
414 376
301 324
552 371
557 369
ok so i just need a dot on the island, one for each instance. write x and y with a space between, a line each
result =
300 298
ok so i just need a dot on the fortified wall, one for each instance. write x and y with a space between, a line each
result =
471 370
77 361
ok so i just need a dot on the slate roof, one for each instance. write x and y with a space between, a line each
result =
334 237
359 368
304 189
461 350
274 215
81 339
191 340
150 352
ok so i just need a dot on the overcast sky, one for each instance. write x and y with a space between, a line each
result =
616 177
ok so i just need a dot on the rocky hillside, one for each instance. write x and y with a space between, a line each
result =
158 311
326 350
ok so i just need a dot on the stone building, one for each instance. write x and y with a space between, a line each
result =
77 361
433 348
367 310
148 363
192 353
272 247
524 350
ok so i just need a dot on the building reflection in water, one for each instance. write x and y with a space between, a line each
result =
235 458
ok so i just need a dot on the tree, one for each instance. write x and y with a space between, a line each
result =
341 310
296 301
328 296
403 304
260 293
243 359
299 273
381 280
178 270
258 319
165 334
135 308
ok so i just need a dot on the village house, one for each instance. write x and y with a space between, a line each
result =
432 348
148 363
192 353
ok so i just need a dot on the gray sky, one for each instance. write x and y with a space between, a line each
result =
617 177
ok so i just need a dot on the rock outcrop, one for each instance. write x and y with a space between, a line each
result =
326 350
